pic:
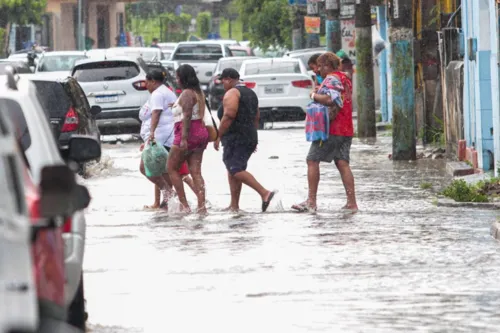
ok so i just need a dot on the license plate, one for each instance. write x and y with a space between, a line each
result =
273 90
106 99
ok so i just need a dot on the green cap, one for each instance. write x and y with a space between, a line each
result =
342 54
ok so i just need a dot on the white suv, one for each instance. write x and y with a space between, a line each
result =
118 86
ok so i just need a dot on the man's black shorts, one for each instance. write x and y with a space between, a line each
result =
236 156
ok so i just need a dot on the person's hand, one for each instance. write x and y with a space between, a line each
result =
170 105
184 144
217 144
152 137
142 147
315 90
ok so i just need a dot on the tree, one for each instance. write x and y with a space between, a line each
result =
269 22
203 24
19 12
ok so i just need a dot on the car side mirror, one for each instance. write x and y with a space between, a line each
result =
83 148
60 195
95 110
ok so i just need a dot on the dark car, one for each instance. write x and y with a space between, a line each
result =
215 87
66 105
170 80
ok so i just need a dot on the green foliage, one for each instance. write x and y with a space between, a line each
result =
21 11
460 191
203 24
167 27
425 185
269 22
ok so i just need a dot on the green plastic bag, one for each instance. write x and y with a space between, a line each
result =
154 157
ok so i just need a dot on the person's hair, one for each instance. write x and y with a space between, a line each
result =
155 75
155 39
313 59
189 80
330 59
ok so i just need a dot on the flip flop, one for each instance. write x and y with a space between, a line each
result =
265 204
301 207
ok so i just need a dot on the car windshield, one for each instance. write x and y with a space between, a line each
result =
106 71
239 53
56 63
146 54
272 67
233 63
198 52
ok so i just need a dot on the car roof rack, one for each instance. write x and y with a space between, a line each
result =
11 79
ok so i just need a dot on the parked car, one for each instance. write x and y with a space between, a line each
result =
215 87
203 56
60 283
19 306
241 51
282 85
118 86
304 56
170 81
167 49
146 53
58 62
19 66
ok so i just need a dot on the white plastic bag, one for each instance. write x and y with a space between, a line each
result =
379 44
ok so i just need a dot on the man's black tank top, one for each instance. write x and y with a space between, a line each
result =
242 130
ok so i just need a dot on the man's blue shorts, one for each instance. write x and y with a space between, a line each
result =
236 156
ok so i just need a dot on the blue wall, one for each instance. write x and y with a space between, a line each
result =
478 106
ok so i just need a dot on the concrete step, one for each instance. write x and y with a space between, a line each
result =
459 169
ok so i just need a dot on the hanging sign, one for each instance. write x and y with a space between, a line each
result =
312 8
334 4
312 24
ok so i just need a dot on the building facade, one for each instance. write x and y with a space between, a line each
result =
480 30
102 21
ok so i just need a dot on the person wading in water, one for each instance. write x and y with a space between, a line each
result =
238 134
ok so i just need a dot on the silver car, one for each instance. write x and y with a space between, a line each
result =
60 61
118 86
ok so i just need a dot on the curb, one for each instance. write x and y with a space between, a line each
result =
495 230
480 205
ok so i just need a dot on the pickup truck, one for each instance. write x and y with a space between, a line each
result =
203 56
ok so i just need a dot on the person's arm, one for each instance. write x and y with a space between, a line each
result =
230 103
188 100
257 119
322 99
157 108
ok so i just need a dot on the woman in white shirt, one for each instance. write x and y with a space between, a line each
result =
158 125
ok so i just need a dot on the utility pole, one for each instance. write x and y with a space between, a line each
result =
297 32
333 35
364 71
403 75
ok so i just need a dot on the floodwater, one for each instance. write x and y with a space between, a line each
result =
400 264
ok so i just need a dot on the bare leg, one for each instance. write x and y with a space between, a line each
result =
313 182
189 181
235 186
194 162
248 179
175 159
160 184
348 180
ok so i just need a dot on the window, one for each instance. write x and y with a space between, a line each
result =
106 71
58 63
236 64
16 115
53 98
229 52
239 53
198 52
274 67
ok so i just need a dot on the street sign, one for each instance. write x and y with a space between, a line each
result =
312 24
333 4
297 2
312 8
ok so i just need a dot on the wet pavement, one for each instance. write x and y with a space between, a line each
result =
399 265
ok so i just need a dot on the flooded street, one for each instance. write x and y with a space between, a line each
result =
399 265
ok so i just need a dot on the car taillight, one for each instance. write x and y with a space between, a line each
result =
250 85
178 91
71 121
302 84
140 85
67 225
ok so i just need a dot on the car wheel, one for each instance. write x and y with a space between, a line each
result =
77 316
